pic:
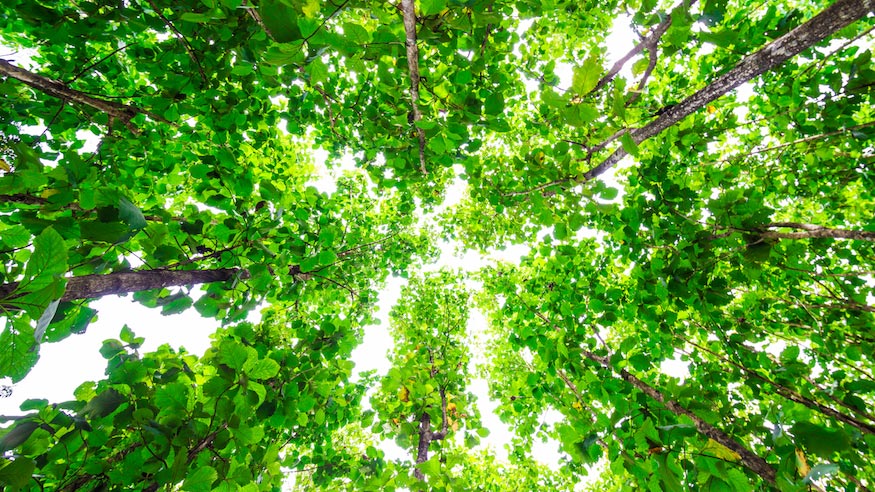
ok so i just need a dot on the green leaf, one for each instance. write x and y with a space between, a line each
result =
262 369
494 103
820 440
235 355
16 356
628 144
48 261
200 480
585 77
280 19
431 7
326 258
130 214
356 33
431 467
17 435
16 473
44 320
318 71
103 404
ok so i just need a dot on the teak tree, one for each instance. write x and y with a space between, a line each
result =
694 310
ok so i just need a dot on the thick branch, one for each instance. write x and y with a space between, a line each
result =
749 459
830 20
54 88
94 286
437 436
409 11
811 231
791 394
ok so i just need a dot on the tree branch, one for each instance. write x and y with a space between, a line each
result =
181 38
830 20
811 231
749 459
648 43
116 283
408 10
422 446
54 88
789 393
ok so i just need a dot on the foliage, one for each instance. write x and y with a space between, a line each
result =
704 202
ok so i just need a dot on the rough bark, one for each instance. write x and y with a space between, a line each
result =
94 286
409 11
824 24
54 88
812 231
422 445
748 458
791 394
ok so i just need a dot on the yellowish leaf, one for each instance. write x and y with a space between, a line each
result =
577 406
4 166
311 8
711 109
801 463
718 450
404 394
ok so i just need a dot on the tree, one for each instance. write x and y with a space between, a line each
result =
704 201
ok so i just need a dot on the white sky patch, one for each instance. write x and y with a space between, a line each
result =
619 42
90 141
65 365
675 368
548 452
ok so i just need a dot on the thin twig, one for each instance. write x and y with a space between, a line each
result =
181 38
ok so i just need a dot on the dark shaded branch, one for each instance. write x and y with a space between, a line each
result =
54 88
749 459
409 13
789 393
824 24
422 445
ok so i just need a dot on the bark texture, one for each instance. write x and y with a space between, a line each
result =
748 458
54 88
824 24
812 231
408 9
94 286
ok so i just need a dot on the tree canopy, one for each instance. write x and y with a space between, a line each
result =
704 200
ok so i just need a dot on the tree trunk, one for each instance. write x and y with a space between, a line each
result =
422 446
94 286
833 18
